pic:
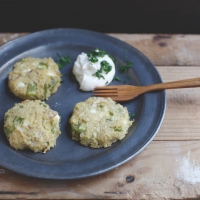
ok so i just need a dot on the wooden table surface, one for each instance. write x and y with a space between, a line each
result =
169 167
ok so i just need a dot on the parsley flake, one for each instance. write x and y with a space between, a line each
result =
106 66
132 116
125 68
116 78
92 56
98 73
63 60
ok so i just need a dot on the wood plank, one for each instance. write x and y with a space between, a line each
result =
6 37
161 49
182 117
164 170
166 49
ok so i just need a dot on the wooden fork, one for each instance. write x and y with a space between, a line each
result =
121 93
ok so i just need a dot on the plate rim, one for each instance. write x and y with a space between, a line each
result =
156 129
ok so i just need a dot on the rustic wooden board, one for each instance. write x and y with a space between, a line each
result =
164 170
182 119
6 37
169 168
166 50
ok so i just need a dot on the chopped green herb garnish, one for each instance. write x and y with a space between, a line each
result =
132 116
98 74
97 53
116 78
92 56
106 83
106 66
100 53
125 68
63 60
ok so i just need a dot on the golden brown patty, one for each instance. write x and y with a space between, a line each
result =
31 124
98 122
34 78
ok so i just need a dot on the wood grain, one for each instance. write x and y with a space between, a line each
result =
182 116
164 49
6 37
164 170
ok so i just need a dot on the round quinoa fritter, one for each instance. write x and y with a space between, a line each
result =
34 78
31 124
99 122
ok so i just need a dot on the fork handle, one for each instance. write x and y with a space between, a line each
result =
187 83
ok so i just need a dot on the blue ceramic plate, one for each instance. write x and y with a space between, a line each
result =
69 159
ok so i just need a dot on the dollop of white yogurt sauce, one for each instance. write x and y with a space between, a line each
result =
84 71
